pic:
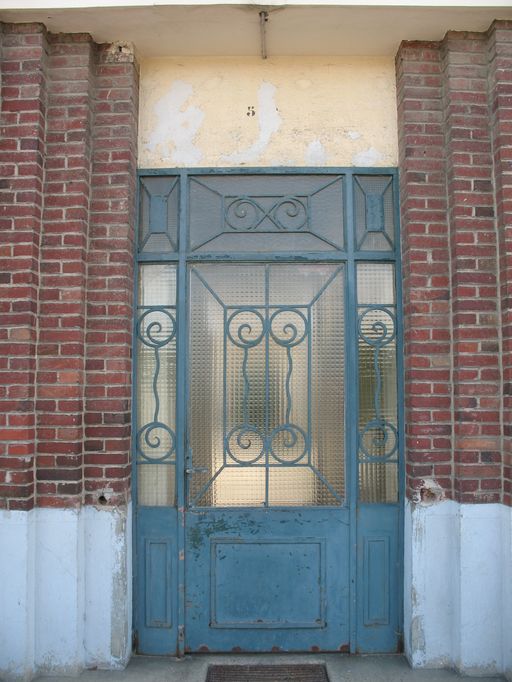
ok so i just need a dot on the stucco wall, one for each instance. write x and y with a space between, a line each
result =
68 601
306 111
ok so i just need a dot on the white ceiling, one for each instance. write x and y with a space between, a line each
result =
159 29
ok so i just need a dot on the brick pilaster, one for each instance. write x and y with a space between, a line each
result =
474 92
476 361
24 67
68 161
62 308
425 257
500 111
110 283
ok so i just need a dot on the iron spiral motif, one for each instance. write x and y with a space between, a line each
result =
246 443
246 213
378 439
156 328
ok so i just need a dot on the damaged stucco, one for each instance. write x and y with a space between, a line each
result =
69 600
306 111
457 582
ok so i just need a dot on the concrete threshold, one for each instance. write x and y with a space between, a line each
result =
340 668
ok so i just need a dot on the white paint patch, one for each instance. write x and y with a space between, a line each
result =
368 157
67 606
458 594
177 126
315 154
269 122
353 135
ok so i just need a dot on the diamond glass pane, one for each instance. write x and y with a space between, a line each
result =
158 214
156 385
266 408
374 212
378 406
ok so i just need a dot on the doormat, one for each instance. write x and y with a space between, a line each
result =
267 673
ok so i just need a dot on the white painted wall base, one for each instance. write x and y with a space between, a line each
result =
66 591
65 601
458 587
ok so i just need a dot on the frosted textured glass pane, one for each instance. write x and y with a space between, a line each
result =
156 485
378 482
157 285
156 384
378 411
376 283
259 336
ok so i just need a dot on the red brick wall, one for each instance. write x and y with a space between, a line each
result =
455 142
67 192
67 163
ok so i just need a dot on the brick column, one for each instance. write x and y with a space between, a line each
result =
110 283
425 257
454 116
68 162
61 350
500 105
24 66
476 361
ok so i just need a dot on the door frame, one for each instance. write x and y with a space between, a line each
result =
182 259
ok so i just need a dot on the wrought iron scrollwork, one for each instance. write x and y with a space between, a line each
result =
247 213
378 438
247 444
155 329
269 392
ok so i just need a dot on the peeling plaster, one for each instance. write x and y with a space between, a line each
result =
457 577
177 126
269 122
282 111
368 157
68 606
315 154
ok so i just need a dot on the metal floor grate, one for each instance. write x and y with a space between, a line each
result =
267 673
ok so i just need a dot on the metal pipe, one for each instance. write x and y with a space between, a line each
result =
263 33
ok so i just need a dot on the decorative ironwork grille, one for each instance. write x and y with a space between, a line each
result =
343 223
276 387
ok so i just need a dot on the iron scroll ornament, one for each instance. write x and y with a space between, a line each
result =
246 213
378 438
247 444
156 328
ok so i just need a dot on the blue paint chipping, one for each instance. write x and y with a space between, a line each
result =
269 577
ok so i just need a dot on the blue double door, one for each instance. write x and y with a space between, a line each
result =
267 481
